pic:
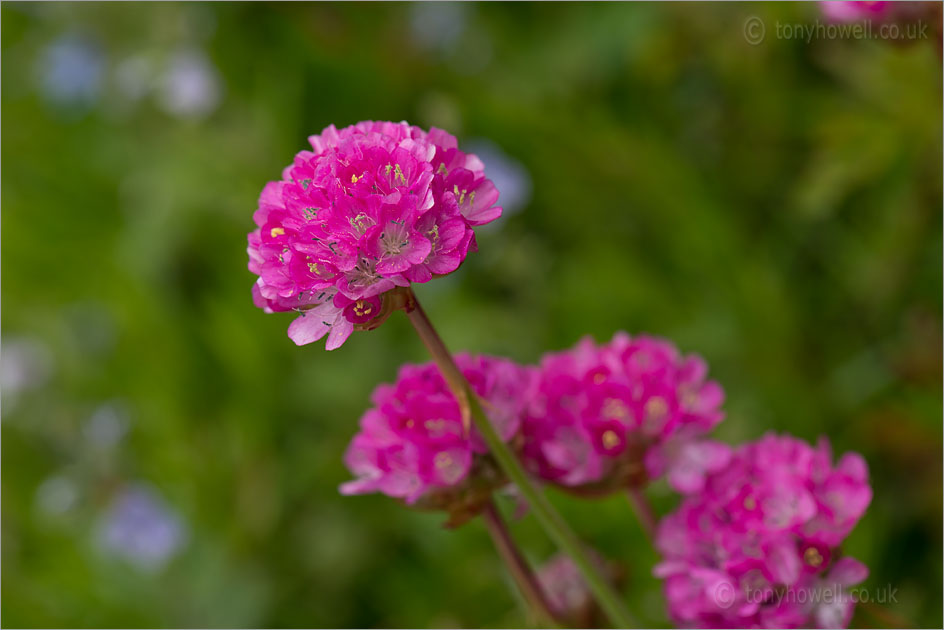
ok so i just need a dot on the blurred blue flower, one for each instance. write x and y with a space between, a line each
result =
510 176
70 72
437 26
448 30
56 495
107 425
25 364
190 87
141 528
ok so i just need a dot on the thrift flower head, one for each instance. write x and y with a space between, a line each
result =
854 10
412 444
885 12
601 413
374 206
759 546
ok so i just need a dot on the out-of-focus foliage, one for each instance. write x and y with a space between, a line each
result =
171 458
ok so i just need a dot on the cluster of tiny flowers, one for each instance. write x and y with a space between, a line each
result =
594 418
412 443
759 546
878 11
602 413
375 206
854 10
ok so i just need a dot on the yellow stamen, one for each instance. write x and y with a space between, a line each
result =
610 439
656 407
276 231
614 409
813 557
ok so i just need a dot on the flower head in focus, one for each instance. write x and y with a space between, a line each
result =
759 546
374 206
604 416
412 444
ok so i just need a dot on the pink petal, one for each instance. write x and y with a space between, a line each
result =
848 572
340 331
308 328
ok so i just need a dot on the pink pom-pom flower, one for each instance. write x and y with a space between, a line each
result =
885 12
758 547
605 416
412 444
855 10
374 206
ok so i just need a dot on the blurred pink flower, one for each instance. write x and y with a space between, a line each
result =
567 592
687 461
758 546
412 443
602 410
854 10
375 206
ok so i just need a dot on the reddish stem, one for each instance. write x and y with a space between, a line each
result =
647 519
517 565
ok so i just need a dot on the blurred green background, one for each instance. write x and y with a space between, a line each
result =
171 458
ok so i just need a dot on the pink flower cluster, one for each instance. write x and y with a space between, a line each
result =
883 11
412 442
601 410
854 10
375 206
759 546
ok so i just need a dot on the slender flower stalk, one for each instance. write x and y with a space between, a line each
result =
518 567
549 518
642 508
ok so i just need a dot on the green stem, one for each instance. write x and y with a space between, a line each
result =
518 567
550 519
